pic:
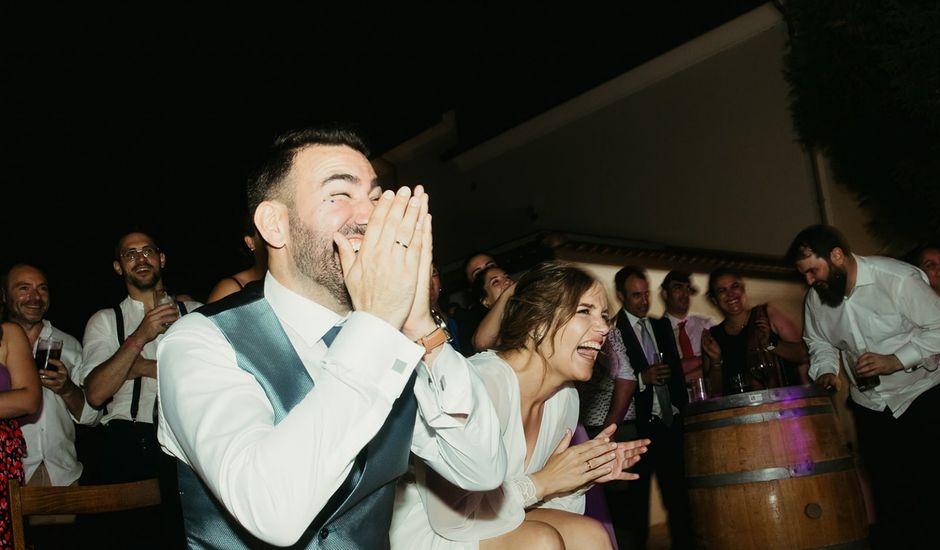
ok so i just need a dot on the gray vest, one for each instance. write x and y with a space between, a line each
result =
359 513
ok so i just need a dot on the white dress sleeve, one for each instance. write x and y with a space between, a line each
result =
465 516
469 516
564 416
457 432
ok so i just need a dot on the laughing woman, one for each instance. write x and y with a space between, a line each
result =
761 343
554 325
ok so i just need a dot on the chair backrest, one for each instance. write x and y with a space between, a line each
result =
86 499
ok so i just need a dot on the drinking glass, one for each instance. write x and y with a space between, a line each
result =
862 383
161 297
759 371
738 384
48 348
698 389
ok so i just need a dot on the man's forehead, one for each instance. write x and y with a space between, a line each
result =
22 271
636 283
323 161
135 240
809 258
807 252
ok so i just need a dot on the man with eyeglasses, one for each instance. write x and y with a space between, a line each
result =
119 371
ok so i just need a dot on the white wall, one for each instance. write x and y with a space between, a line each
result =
693 149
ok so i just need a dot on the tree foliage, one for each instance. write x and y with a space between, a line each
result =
865 90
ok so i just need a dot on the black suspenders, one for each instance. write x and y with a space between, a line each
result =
119 320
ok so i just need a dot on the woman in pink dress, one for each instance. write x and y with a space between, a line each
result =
19 395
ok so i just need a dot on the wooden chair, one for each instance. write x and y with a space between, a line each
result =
87 499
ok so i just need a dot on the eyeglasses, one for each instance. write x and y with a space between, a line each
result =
134 254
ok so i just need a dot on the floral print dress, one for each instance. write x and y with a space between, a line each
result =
12 450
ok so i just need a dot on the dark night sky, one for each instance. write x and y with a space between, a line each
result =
143 114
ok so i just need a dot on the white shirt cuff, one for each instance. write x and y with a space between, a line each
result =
444 389
383 357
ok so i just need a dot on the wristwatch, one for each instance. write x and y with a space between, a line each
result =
437 337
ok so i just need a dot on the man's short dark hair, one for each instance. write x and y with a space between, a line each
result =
625 273
266 181
819 240
682 277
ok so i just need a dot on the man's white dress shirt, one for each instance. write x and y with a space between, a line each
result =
101 342
275 478
891 310
50 433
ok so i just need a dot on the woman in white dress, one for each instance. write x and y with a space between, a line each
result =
552 330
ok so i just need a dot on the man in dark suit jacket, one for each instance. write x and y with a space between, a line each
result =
661 398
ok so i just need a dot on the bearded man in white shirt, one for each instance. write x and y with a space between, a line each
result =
884 319
50 434
293 404
119 372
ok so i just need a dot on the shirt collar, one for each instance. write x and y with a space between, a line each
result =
632 318
675 320
133 303
46 331
863 272
309 319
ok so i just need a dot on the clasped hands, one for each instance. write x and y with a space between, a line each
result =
596 461
390 275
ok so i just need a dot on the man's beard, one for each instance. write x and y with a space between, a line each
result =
832 291
144 284
314 257
18 312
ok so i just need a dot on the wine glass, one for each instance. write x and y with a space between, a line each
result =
760 371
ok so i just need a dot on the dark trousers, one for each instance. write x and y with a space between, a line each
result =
128 451
629 502
905 483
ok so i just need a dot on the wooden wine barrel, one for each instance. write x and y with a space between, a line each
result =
770 469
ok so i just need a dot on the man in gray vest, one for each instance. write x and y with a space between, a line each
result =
293 405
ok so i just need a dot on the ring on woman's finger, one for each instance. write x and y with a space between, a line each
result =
401 243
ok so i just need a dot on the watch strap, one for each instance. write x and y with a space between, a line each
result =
438 337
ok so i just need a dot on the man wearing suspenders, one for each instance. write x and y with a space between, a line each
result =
119 372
